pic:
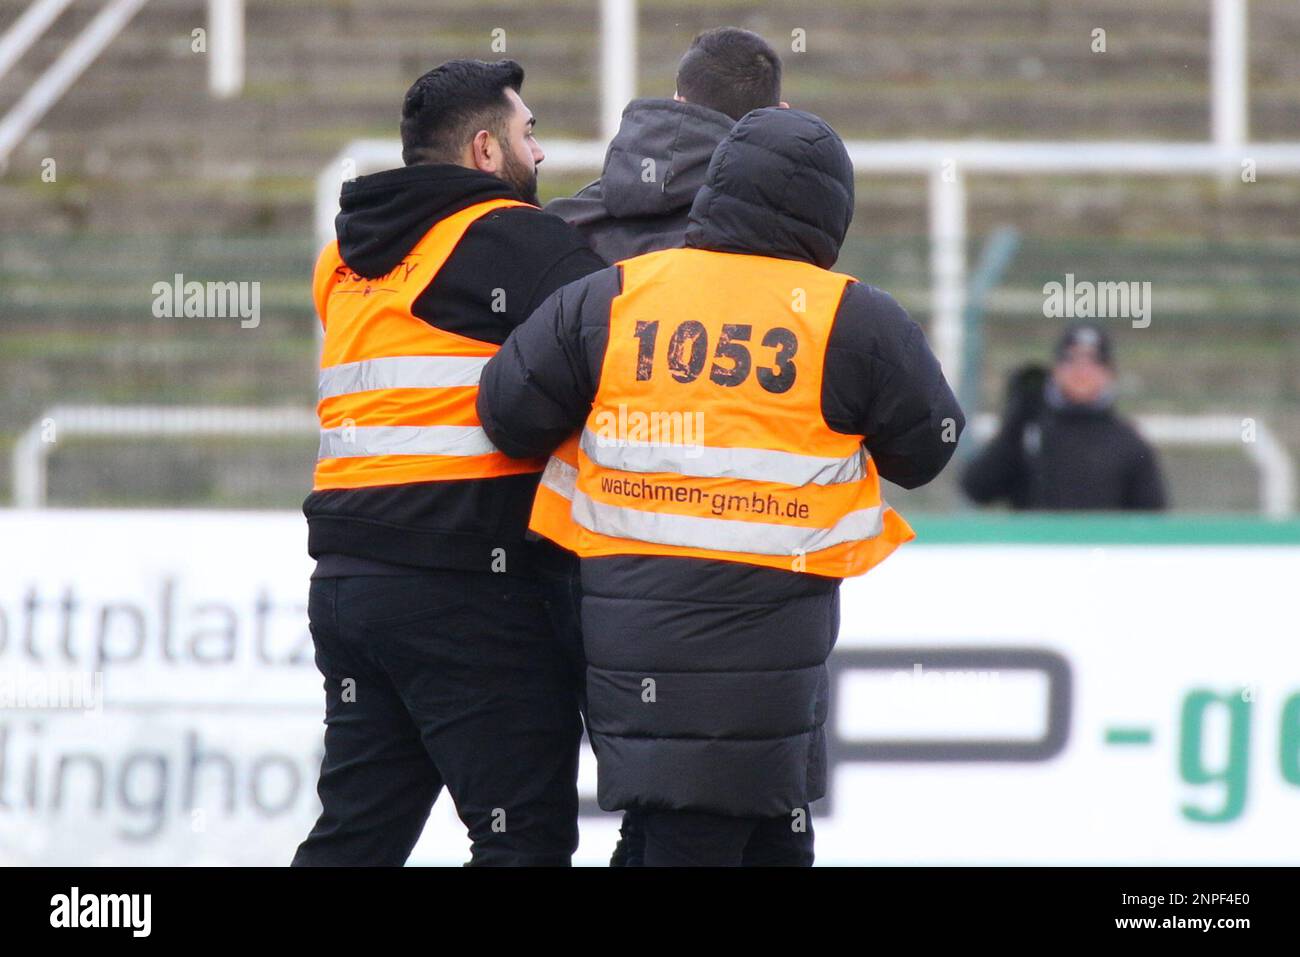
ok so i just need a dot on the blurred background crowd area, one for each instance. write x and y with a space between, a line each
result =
155 178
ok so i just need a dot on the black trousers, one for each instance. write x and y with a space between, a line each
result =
452 679
697 839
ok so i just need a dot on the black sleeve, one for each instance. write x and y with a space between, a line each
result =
1144 488
504 267
578 261
538 389
882 381
998 470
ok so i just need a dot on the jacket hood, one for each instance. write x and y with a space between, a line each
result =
679 137
780 184
382 216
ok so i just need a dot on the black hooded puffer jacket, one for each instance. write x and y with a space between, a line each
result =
653 168
707 683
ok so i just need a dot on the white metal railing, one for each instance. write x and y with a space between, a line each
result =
33 447
27 29
618 46
1277 484
64 71
1230 100
1276 470
946 164
225 49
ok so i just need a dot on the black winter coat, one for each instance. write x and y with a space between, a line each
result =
1067 458
737 653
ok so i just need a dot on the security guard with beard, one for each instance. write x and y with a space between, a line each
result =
427 608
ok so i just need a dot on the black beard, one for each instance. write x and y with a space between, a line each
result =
521 179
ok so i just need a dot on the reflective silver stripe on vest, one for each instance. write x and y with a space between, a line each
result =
355 441
703 461
726 535
400 372
560 477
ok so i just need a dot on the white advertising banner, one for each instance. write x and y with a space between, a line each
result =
992 703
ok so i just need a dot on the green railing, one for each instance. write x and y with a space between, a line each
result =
1101 530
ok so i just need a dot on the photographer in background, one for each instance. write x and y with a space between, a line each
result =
1061 446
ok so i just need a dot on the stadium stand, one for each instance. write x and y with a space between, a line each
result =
177 182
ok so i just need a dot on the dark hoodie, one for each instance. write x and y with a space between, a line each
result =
637 207
738 652
522 251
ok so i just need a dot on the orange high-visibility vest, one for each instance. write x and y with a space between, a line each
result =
706 437
396 395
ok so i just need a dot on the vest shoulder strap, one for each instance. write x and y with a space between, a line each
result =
430 253
421 263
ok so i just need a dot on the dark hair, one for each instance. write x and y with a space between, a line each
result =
730 70
445 108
